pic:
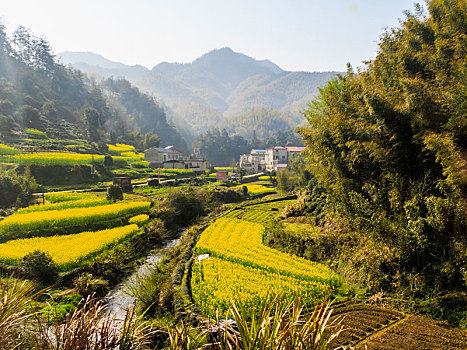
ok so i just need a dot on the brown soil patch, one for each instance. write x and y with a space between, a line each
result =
373 328
419 333
360 321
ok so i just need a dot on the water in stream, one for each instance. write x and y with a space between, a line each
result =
119 299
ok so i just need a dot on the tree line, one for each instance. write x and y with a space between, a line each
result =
37 91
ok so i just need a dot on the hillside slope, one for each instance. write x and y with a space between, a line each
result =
38 92
222 83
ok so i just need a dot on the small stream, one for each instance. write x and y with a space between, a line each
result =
118 300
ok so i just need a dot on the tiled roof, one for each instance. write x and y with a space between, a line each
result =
162 150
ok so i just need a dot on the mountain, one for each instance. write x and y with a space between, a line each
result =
91 62
218 85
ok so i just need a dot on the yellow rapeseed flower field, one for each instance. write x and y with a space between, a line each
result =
65 249
139 219
4 149
120 147
64 158
242 267
55 197
54 158
136 156
81 203
241 241
218 280
17 225
256 189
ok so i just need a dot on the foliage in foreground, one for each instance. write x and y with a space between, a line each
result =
90 326
15 310
387 146
276 324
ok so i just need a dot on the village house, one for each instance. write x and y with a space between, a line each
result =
253 162
273 158
156 156
198 165
171 158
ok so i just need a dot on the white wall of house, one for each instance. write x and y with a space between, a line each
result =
197 165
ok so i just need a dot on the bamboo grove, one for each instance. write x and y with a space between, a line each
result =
388 144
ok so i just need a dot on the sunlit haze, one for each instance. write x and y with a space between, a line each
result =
297 34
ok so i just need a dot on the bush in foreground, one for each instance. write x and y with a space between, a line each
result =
39 266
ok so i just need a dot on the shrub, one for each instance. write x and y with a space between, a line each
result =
39 266
88 284
114 193
181 207
16 190
108 161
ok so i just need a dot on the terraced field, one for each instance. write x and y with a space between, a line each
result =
70 227
257 188
260 213
45 223
242 267
67 249
416 332
367 327
122 154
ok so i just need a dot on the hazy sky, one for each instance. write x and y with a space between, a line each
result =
310 35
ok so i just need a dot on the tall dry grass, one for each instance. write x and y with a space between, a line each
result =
92 327
16 311
89 327
274 325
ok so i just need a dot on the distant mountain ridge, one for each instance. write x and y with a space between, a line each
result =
220 82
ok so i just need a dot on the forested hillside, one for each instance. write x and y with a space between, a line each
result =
219 87
388 146
39 93
261 122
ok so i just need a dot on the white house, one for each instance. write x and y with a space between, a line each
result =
198 165
276 157
254 161
156 156
269 159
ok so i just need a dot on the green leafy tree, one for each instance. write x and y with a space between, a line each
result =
16 190
92 117
39 266
7 124
108 161
30 117
219 148
387 144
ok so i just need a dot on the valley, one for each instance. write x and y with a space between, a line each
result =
228 203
